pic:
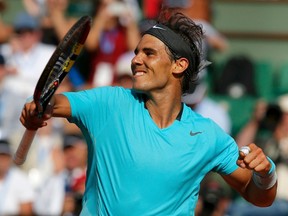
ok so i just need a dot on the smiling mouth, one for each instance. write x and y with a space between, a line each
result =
139 73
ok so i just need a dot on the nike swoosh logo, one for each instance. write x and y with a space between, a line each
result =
158 27
194 133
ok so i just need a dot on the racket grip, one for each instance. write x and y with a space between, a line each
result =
24 146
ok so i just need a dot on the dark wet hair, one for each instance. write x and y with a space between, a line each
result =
192 34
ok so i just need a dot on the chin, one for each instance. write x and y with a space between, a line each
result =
137 89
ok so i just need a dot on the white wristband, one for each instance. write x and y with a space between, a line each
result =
268 181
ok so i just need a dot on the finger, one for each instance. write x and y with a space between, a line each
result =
33 109
257 161
252 147
244 151
30 109
254 163
250 152
243 159
262 166
241 164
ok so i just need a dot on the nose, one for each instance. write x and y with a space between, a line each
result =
136 59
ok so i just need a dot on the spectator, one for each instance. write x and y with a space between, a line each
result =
25 58
52 14
151 8
197 97
199 101
5 29
123 70
55 22
3 71
268 126
114 32
62 192
16 192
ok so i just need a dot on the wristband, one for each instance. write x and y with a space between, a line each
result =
268 181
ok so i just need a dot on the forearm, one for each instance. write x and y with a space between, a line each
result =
256 178
92 41
262 187
133 35
60 23
242 181
258 196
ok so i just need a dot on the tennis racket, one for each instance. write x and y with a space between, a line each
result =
54 72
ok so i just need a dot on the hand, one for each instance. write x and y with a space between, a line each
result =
30 116
104 14
254 160
57 5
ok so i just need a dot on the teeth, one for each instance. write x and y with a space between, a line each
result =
139 73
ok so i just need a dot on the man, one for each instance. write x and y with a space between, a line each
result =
148 152
62 192
201 103
25 58
16 192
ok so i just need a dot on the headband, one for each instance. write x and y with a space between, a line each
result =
173 41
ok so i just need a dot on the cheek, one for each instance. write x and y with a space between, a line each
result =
162 65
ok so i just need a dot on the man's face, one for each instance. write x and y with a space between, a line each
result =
25 39
151 66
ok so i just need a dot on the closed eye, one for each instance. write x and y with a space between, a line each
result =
146 51
149 51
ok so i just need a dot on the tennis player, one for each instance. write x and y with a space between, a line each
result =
148 152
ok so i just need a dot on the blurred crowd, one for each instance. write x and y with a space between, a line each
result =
52 180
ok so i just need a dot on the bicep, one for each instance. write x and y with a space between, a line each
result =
61 107
239 179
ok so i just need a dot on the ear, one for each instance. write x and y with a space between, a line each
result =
180 65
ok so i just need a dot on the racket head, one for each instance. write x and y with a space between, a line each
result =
61 62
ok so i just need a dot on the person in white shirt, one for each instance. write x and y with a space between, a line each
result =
16 192
25 58
207 107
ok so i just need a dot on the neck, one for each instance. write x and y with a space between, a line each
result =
164 111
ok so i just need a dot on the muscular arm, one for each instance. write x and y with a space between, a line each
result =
57 15
241 180
61 106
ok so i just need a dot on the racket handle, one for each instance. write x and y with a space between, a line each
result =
24 146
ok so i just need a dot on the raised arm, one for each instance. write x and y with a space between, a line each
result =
57 14
255 179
